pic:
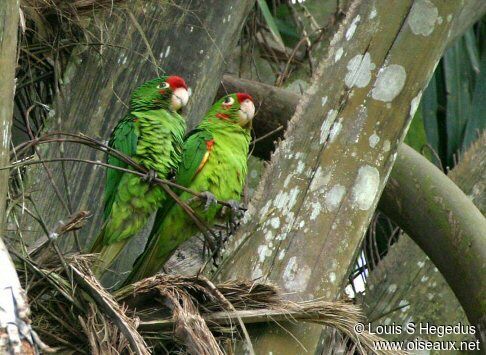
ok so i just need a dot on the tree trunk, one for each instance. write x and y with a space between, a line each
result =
445 224
190 39
304 227
398 285
15 331
406 285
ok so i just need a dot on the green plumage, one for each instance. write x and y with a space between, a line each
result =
214 160
152 135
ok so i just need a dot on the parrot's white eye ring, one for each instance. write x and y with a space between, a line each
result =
228 101
163 86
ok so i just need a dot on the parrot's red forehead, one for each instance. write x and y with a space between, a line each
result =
242 97
176 82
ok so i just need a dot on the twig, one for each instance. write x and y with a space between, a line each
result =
108 305
227 304
278 129
82 139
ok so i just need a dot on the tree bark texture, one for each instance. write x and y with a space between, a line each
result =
305 225
15 331
444 222
406 285
190 39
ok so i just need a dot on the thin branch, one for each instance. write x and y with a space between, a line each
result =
90 142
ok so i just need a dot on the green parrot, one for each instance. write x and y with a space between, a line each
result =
214 162
152 135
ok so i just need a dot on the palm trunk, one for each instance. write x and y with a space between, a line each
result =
15 331
323 183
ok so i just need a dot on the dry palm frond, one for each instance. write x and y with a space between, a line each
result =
160 300
72 312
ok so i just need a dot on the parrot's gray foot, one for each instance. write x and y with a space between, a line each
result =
210 199
150 176
235 207
235 214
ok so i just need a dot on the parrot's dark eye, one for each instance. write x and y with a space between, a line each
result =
228 101
163 86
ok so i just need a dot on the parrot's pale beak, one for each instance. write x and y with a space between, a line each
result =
246 113
179 99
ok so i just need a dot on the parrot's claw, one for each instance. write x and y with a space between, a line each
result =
235 214
210 199
235 207
150 176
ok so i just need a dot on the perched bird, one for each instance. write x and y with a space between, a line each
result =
152 135
214 162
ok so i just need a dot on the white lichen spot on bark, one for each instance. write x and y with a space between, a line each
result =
335 130
352 28
415 103
373 140
300 167
423 17
275 222
268 235
320 180
392 288
339 54
334 197
420 264
359 71
373 13
332 277
389 83
316 210
263 252
284 202
404 305
296 276
167 52
386 145
323 101
326 125
366 187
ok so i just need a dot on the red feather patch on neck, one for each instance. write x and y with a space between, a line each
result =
176 82
243 96
209 144
223 116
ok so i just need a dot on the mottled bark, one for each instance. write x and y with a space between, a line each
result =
406 286
190 38
444 222
305 225
15 331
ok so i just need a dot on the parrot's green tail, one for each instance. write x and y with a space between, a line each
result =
147 264
106 254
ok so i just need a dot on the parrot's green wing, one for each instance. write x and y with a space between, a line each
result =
195 154
124 139
197 149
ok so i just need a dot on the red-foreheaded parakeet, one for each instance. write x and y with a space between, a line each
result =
152 135
215 161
